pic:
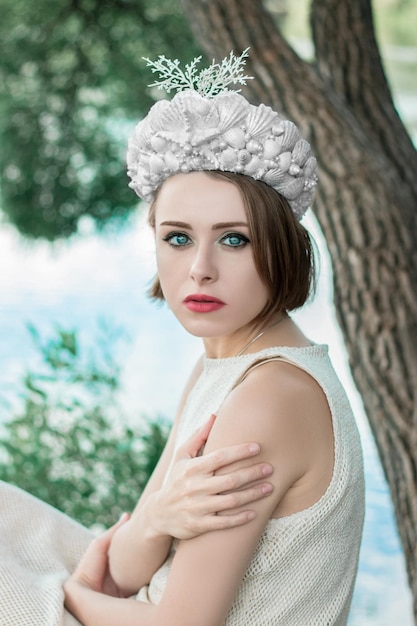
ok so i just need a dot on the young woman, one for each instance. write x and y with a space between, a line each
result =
228 183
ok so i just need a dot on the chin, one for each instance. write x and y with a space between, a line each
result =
202 328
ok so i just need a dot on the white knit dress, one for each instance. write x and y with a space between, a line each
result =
304 568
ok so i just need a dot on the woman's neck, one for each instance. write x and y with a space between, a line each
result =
248 339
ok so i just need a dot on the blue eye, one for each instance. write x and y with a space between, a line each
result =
234 240
177 240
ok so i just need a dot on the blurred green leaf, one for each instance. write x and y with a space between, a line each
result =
70 444
72 82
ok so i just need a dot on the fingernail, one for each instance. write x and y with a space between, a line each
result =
267 470
254 448
266 489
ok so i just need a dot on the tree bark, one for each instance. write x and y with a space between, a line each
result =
366 204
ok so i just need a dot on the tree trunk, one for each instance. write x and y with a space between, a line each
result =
366 205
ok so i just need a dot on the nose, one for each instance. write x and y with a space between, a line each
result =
203 268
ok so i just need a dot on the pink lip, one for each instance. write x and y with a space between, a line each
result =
201 303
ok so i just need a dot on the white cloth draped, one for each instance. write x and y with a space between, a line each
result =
39 548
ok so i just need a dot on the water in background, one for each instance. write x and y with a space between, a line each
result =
75 283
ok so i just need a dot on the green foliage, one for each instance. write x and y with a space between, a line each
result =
71 78
396 22
68 445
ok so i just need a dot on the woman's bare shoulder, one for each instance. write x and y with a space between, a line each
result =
283 382
284 409
298 407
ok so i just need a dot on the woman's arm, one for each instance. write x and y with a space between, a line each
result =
189 504
186 505
289 418
135 552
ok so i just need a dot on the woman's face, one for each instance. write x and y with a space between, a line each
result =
204 256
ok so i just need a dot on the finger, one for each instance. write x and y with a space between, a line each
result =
193 445
222 522
122 520
226 456
227 503
240 479
206 428
103 541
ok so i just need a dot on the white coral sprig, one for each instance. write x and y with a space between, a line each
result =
208 82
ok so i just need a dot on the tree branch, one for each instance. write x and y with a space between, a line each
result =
349 61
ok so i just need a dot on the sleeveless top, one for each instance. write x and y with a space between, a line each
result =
304 568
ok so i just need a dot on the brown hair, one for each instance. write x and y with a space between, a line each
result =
282 248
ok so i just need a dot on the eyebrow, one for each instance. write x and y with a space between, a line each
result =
217 226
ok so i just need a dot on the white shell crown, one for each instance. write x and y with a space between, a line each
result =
207 127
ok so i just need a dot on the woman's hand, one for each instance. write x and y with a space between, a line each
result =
194 500
92 571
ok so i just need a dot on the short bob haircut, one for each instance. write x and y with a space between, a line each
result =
282 248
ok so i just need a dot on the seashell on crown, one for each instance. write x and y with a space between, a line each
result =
218 129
